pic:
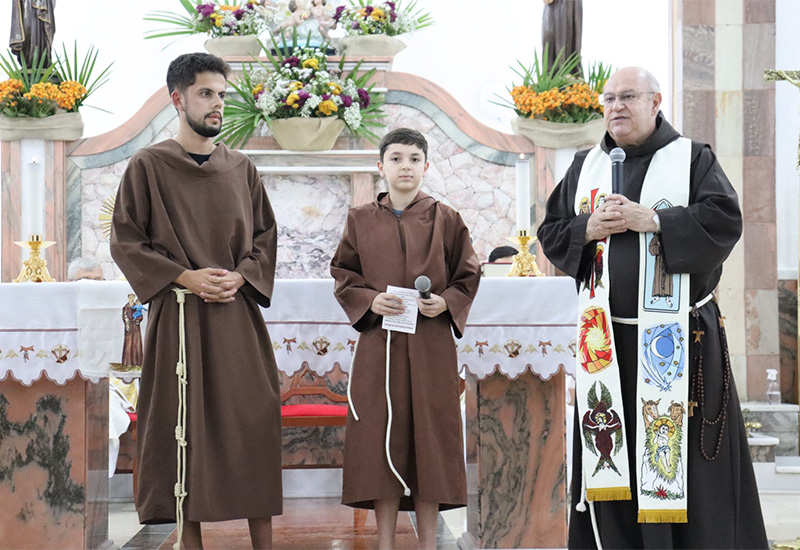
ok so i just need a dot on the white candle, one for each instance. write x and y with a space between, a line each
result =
33 199
523 194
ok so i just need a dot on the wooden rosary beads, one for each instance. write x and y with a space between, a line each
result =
698 390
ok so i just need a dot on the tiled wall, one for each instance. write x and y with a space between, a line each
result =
725 46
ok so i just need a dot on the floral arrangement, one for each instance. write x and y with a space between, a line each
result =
37 91
389 18
215 18
555 93
299 83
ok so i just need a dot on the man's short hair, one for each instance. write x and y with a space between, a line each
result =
184 69
404 136
502 252
83 263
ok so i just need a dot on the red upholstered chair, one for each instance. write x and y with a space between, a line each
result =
313 414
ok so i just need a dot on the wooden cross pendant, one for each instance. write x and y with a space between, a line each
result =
697 335
692 405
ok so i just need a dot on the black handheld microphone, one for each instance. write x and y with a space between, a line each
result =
617 156
423 286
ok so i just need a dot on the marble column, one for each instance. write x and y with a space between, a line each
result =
720 97
54 464
516 462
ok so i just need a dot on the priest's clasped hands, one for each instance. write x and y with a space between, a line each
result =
389 304
212 284
618 214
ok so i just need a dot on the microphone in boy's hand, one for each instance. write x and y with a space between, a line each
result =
423 286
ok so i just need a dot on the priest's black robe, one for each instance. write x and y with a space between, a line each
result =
723 506
172 214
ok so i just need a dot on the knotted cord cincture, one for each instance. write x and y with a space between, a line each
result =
180 429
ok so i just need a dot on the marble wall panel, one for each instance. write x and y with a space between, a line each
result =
762 453
519 461
44 458
699 109
760 40
761 310
698 57
96 521
759 11
761 271
787 319
310 211
759 123
780 424
729 43
728 122
698 12
758 200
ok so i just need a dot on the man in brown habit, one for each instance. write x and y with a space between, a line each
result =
722 505
193 214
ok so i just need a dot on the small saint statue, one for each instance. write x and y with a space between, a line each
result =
33 25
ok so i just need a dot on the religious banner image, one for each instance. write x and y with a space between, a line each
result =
661 290
662 462
663 355
594 340
602 428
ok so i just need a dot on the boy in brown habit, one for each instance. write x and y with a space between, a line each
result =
405 452
192 214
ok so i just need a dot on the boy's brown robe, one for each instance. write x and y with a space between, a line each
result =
172 214
379 249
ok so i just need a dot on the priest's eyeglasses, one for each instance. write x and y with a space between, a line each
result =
625 98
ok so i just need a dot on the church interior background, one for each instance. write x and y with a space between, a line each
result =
708 55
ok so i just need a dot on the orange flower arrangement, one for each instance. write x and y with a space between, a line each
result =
577 102
36 90
555 93
42 98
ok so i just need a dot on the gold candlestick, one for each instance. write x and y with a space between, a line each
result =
524 262
34 269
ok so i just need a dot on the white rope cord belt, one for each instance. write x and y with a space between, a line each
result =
635 321
406 489
180 429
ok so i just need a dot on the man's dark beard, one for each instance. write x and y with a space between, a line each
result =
202 129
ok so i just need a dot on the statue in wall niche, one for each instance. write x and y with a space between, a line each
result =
33 25
562 26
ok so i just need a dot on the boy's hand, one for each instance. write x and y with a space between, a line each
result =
433 306
211 284
387 304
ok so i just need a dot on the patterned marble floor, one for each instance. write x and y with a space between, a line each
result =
333 526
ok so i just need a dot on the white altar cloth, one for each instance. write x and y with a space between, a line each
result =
77 328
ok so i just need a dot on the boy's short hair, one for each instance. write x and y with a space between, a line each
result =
184 69
404 136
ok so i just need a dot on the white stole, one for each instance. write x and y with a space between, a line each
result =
663 304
